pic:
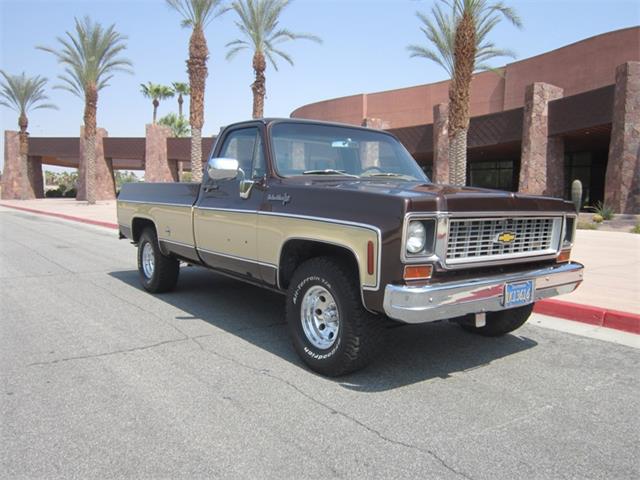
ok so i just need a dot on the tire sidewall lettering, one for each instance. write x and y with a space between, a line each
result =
301 287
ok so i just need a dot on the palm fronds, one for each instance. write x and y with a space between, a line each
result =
90 56
22 93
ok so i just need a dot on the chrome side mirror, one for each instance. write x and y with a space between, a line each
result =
221 169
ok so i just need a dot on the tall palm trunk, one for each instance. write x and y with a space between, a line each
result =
259 85
25 173
90 127
459 89
197 68
155 109
180 102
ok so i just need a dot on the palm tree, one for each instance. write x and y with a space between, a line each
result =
91 57
23 94
156 93
197 14
178 125
258 25
182 89
461 47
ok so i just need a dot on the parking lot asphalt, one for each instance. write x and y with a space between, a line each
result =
100 379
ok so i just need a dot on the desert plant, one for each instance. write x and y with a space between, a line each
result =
182 90
23 94
636 228
576 194
91 56
197 14
124 176
156 92
54 193
597 218
587 226
460 45
604 210
258 24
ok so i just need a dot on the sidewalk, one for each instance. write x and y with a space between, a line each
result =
102 213
609 295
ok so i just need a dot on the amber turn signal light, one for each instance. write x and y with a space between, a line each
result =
565 256
418 272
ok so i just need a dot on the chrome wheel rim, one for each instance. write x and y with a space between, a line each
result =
148 260
320 317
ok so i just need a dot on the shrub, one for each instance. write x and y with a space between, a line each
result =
597 218
55 193
587 226
636 229
604 210
71 193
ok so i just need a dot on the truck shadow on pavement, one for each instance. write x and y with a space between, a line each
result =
412 353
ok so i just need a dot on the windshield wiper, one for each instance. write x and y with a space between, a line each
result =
385 174
390 174
328 171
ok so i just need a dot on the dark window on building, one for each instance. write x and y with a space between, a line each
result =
427 168
498 174
589 168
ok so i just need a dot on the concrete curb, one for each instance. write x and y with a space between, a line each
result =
599 316
64 216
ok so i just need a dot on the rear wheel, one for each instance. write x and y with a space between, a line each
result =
499 323
158 272
330 328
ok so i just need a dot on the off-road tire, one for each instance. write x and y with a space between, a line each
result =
360 334
166 268
499 323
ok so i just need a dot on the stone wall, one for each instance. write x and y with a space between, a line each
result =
542 158
158 167
622 183
105 183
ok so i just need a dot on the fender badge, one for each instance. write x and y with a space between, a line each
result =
505 238
279 197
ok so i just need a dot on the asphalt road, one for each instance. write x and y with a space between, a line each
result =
102 380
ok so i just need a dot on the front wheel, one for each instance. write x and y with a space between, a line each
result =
158 272
499 323
330 328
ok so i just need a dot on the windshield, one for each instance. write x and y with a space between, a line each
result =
312 149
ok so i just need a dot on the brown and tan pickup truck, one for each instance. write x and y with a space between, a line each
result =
343 221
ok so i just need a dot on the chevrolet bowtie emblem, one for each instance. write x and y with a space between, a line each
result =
505 237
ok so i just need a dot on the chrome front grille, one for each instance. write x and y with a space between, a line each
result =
489 239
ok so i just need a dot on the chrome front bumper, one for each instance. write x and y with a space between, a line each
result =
441 301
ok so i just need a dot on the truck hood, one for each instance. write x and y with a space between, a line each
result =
429 197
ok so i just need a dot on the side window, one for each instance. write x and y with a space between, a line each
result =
259 162
245 145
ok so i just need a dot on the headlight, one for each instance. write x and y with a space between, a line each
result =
416 237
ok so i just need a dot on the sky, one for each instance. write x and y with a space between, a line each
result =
363 50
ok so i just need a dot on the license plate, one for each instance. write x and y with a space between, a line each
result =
516 294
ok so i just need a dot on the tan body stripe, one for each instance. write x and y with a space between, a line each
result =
252 236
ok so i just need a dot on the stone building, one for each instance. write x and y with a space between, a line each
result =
572 113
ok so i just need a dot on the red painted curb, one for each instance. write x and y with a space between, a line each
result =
66 217
599 316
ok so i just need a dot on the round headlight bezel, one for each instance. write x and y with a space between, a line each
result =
416 237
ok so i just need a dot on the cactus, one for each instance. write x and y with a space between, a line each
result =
576 194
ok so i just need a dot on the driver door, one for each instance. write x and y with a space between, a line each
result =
225 218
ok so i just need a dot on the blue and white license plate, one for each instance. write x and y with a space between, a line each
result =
520 293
